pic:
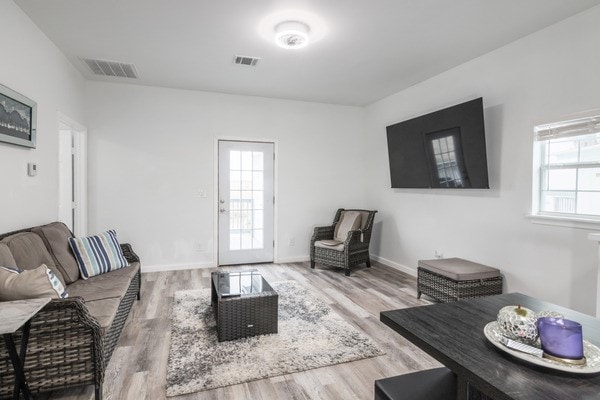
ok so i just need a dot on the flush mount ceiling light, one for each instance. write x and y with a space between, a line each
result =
292 34
292 29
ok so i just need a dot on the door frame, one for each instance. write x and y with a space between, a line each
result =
215 196
79 134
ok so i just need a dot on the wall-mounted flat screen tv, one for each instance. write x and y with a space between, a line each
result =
443 149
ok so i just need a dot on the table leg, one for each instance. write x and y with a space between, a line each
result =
18 363
462 388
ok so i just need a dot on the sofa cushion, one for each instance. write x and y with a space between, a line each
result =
18 284
6 257
55 237
105 286
349 221
98 254
29 252
104 311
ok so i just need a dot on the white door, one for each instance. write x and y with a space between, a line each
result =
72 175
245 202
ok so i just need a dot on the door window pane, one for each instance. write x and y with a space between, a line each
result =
246 239
246 161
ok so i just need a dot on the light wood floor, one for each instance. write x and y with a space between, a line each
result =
137 369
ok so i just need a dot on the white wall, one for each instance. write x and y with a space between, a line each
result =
31 65
151 151
540 78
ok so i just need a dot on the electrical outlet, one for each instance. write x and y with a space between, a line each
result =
292 241
198 246
438 254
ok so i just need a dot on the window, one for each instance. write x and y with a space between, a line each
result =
567 169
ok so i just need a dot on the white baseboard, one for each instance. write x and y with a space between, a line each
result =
282 260
395 265
173 267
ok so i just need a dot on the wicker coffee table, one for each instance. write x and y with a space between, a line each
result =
244 305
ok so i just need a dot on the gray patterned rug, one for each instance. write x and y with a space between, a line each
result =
310 336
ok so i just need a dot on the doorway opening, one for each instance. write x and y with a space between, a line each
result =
72 175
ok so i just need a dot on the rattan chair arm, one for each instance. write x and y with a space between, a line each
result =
129 253
64 324
323 233
357 238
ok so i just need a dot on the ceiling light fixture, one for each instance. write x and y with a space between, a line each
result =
292 29
292 34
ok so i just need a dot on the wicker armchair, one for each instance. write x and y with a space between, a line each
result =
353 251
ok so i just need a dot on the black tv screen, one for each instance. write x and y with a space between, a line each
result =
443 149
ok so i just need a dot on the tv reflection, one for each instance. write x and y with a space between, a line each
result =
445 159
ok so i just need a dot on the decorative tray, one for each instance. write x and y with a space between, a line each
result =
590 351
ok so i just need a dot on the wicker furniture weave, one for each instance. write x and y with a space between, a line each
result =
445 289
65 346
356 245
244 315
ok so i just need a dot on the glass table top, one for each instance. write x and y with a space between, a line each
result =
242 283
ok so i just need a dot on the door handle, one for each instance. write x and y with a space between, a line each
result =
222 210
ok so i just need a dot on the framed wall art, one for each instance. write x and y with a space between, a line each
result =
17 118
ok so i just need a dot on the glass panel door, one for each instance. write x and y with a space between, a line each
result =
245 202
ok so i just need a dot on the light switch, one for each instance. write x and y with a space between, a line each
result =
31 169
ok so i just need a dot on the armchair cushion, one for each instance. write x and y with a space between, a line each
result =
349 221
330 244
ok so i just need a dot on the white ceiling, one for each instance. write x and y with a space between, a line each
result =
372 48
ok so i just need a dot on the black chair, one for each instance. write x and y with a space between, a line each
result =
432 384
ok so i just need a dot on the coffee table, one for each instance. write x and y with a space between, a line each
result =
244 304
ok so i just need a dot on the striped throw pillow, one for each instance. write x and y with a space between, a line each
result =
18 284
98 254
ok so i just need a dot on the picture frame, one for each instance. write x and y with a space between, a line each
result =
18 118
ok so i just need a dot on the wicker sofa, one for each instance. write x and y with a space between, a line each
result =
71 340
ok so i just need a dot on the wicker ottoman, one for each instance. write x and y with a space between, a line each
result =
244 305
452 279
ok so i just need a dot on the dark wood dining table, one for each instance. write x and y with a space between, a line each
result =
452 333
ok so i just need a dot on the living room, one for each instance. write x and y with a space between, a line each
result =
152 155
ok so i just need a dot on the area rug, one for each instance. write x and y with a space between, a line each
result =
311 335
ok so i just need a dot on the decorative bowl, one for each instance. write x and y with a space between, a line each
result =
519 323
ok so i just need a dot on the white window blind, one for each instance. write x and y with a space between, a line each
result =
568 168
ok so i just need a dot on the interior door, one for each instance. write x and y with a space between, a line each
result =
245 202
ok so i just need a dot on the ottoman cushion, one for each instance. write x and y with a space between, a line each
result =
458 269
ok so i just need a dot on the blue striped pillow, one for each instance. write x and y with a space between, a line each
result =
98 254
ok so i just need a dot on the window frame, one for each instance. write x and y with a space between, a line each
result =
543 133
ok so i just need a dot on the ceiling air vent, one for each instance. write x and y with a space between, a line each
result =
245 60
111 68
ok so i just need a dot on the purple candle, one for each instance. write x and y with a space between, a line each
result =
561 338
